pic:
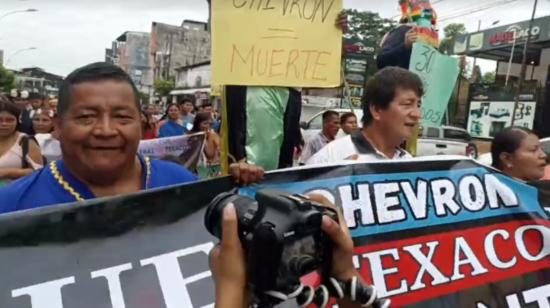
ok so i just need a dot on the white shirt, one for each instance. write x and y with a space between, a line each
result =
49 146
355 144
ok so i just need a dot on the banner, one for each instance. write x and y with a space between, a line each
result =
444 233
276 43
185 150
438 73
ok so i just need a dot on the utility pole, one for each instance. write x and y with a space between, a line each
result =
524 62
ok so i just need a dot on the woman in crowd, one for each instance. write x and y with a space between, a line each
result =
172 127
348 124
516 151
209 162
42 121
19 154
45 135
202 123
53 104
149 126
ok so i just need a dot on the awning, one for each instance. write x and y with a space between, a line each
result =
189 91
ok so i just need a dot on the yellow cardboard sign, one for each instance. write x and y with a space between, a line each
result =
292 43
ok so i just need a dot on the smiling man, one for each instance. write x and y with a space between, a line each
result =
391 112
99 129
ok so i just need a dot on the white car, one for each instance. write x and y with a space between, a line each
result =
445 140
314 125
487 159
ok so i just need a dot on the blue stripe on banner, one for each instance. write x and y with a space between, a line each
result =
381 203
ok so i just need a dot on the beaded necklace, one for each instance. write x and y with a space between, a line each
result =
61 181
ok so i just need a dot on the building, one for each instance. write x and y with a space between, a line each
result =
492 107
177 46
35 79
193 81
130 51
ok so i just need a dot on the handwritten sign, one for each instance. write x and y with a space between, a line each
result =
438 73
292 43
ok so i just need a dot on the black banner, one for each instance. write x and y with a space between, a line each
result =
446 233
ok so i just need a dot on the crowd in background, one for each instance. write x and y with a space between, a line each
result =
28 139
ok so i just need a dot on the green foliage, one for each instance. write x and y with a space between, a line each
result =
451 31
163 87
489 77
7 80
367 27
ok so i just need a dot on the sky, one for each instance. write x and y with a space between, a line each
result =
71 33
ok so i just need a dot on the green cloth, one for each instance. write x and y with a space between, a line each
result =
3 183
265 112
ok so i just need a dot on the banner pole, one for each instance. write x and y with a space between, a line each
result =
224 133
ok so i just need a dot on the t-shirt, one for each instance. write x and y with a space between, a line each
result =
49 146
187 121
313 145
171 129
41 189
355 144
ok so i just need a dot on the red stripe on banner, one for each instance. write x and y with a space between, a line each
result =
460 260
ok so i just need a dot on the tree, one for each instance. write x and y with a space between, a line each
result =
163 87
7 80
489 77
451 31
367 27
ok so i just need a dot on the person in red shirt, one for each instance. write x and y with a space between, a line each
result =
149 127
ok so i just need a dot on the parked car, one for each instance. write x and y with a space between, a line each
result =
445 140
314 125
487 159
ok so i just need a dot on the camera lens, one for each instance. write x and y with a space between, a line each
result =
246 209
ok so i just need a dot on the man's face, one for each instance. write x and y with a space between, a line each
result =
36 103
187 107
100 130
399 120
331 126
208 109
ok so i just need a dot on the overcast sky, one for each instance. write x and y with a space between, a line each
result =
72 33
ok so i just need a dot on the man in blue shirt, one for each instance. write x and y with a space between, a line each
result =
99 129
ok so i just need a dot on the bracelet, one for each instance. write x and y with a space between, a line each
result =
357 292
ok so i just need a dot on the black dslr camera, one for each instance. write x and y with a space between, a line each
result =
282 238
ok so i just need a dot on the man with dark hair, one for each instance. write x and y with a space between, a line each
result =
331 125
99 128
391 113
187 116
216 124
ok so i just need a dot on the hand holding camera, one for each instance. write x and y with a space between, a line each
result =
269 244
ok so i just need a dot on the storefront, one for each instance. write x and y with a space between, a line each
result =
491 107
